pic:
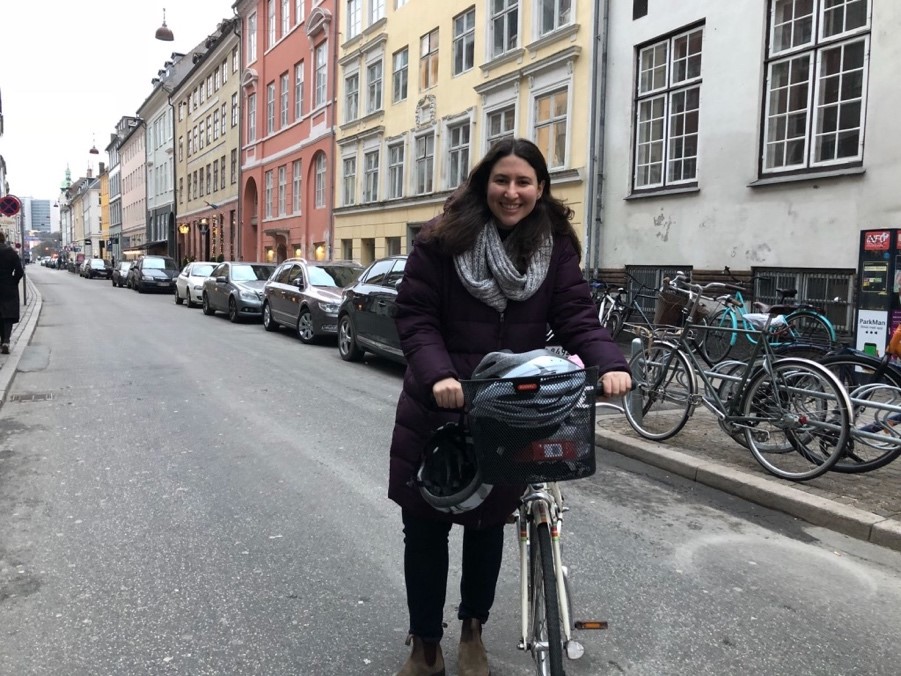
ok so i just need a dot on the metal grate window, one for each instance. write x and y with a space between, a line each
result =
650 278
832 291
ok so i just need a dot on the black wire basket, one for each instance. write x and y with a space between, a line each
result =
533 429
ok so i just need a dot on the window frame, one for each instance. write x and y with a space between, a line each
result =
511 7
375 85
349 181
396 170
458 153
400 77
428 60
558 22
424 181
319 184
371 176
351 96
463 41
553 122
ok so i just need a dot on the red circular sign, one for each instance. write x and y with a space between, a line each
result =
9 205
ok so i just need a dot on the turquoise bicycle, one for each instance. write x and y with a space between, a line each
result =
805 326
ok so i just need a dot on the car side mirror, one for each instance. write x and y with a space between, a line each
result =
298 283
221 280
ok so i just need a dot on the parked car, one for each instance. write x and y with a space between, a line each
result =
236 288
119 275
305 295
367 311
189 283
96 267
153 273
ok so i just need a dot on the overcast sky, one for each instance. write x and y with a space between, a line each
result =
69 71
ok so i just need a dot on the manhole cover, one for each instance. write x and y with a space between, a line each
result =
34 396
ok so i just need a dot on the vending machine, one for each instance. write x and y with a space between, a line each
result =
879 289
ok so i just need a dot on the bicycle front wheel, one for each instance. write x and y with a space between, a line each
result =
545 632
661 401
613 322
796 418
875 432
718 338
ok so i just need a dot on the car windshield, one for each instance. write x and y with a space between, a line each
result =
98 263
250 273
201 270
160 264
333 275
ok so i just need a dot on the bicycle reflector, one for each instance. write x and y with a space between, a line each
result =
591 624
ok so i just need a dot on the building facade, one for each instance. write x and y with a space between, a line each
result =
758 136
207 129
133 189
426 88
287 93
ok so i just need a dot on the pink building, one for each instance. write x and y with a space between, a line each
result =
287 89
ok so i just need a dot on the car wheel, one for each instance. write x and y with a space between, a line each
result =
178 299
305 327
233 315
268 322
189 300
207 309
347 343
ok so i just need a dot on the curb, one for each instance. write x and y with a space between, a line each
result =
21 337
818 511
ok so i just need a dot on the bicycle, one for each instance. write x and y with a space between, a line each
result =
539 458
607 306
793 414
802 324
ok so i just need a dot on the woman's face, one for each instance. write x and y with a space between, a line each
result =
513 190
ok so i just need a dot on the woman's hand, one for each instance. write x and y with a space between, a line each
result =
616 383
448 393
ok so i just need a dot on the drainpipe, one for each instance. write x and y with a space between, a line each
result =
596 158
332 163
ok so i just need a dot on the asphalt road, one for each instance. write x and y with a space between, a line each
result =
198 497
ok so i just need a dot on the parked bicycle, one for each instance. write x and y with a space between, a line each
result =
608 307
793 414
800 324
538 430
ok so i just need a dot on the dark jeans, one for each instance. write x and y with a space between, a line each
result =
425 571
6 330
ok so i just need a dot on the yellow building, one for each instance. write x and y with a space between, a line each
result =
424 89
104 212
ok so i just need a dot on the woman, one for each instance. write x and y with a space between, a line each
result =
10 274
491 273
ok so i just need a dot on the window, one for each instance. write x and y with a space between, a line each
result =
392 248
234 109
376 10
425 163
351 97
350 181
215 176
295 187
252 37
222 172
374 87
286 15
347 249
395 171
503 26
458 154
319 186
283 94
354 18
298 91
282 189
270 107
500 125
267 196
552 14
252 117
371 176
321 74
202 132
234 60
270 23
399 75
215 124
550 126
667 109
817 72
234 166
209 179
181 148
223 112
464 41
428 59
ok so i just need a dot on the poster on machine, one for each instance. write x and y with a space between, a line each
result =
872 331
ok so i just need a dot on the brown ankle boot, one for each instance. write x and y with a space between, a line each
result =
425 660
472 659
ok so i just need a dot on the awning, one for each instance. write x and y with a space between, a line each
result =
150 245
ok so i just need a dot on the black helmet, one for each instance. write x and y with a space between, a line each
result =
449 478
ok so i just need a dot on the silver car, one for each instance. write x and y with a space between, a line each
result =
189 283
236 288
305 295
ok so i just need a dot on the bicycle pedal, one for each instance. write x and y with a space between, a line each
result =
590 624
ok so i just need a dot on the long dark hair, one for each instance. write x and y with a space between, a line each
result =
467 212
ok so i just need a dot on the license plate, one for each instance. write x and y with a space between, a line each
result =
163 284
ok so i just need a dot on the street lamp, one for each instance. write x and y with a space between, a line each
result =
184 228
163 33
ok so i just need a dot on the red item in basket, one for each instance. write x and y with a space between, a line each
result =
545 450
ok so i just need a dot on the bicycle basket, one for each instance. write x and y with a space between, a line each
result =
669 307
550 439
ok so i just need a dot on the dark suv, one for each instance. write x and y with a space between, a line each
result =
96 267
153 273
304 295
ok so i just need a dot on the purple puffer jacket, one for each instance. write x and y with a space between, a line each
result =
445 331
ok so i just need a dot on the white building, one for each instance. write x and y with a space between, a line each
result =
755 135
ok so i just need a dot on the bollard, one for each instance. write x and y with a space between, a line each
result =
633 399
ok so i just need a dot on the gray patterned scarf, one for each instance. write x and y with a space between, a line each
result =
489 275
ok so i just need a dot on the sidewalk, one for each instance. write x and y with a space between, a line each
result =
28 318
865 506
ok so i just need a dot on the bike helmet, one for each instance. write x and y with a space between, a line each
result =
541 405
449 478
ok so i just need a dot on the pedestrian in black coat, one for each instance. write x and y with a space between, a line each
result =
10 274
